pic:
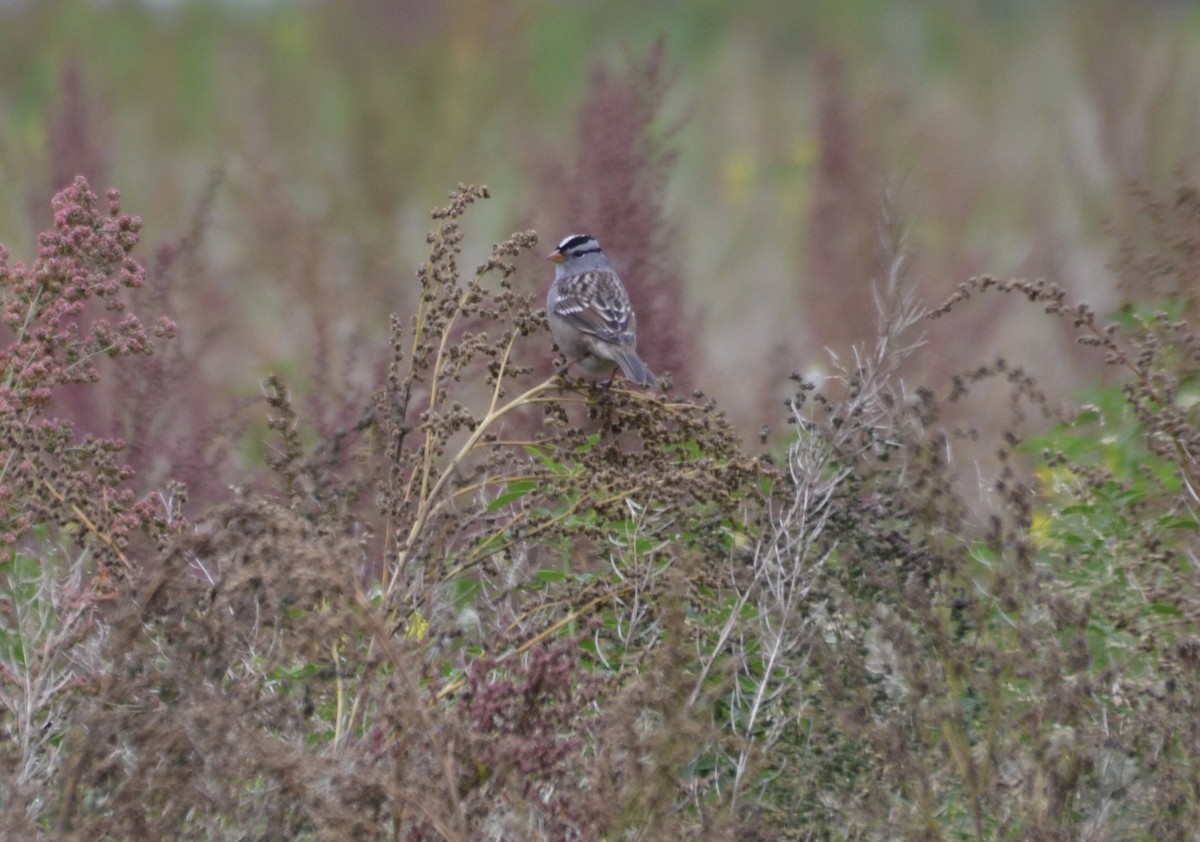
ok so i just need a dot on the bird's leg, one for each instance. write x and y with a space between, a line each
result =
562 369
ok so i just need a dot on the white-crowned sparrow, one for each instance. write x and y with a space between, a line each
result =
590 314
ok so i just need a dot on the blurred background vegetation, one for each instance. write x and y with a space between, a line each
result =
303 144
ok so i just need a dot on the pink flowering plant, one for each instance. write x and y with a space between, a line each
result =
67 513
64 314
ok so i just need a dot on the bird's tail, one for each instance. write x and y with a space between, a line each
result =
635 369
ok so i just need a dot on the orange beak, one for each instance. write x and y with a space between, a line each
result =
556 256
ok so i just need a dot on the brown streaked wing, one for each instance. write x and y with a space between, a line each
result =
605 314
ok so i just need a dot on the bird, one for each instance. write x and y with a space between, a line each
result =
590 314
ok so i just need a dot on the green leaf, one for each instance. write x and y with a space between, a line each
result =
12 650
294 672
465 592
589 444
546 577
552 464
516 490
543 457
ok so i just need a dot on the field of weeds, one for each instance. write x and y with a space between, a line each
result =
303 535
